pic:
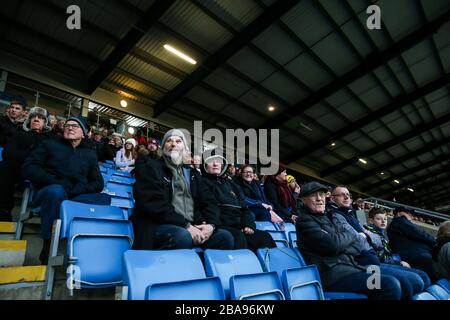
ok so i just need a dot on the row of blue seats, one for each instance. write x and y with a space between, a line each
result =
284 235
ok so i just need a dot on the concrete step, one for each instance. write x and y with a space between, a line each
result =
13 275
7 230
12 252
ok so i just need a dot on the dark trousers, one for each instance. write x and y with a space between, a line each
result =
412 281
421 260
261 214
10 177
49 199
259 239
174 237
390 288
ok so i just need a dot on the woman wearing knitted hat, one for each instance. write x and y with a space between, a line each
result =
235 216
284 200
126 156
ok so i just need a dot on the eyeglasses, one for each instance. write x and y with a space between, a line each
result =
348 195
247 172
73 125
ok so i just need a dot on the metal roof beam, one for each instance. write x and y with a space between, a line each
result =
370 63
136 33
272 14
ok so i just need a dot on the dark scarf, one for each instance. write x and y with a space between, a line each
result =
440 242
285 194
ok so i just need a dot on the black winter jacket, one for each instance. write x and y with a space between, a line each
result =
404 236
153 200
7 130
234 212
324 241
56 161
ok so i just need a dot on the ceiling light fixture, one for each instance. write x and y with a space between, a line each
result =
333 144
396 181
362 160
271 108
131 130
179 54
410 189
123 103
305 126
382 173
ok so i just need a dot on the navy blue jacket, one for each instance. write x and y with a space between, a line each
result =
56 161
349 215
253 192
405 236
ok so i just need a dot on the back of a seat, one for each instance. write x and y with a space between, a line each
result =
279 259
145 268
261 286
122 180
71 209
95 247
119 190
280 238
444 283
303 283
227 263
198 289
265 225
439 292
424 296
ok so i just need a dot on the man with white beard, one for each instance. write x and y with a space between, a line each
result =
174 207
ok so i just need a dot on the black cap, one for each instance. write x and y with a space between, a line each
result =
312 187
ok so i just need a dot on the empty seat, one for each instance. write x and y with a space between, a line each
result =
122 174
119 190
261 286
71 209
145 269
265 225
303 283
227 264
439 292
279 237
444 283
279 259
198 289
424 296
95 247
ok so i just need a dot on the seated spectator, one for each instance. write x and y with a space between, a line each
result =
11 121
197 162
280 195
358 204
58 129
255 199
324 241
411 281
174 207
140 138
111 148
153 148
231 171
60 169
34 130
441 252
126 156
412 244
234 214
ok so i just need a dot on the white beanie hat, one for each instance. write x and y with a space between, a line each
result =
132 141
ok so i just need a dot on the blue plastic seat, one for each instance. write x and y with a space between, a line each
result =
71 209
292 238
122 174
344 296
303 283
265 225
439 292
424 296
198 289
227 264
279 259
444 283
280 238
95 248
122 180
261 286
147 268
119 190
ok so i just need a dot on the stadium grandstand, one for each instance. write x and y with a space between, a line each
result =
275 149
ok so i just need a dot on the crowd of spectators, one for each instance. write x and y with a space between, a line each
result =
185 200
